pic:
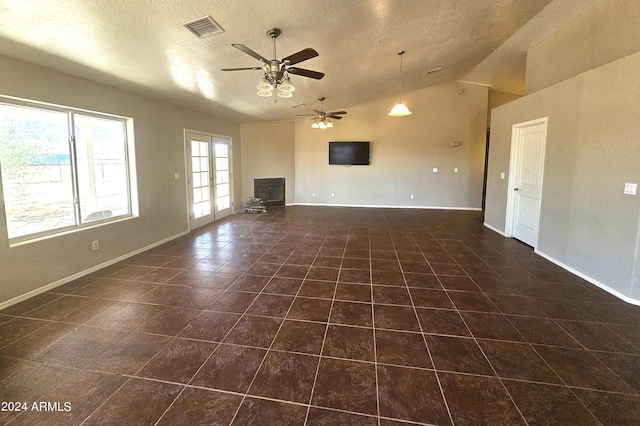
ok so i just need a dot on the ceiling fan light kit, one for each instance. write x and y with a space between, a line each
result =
400 109
276 72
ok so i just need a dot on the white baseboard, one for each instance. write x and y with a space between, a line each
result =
495 229
589 279
377 206
80 274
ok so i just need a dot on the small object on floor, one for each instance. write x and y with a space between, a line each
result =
255 205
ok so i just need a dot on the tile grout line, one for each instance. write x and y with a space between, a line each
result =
217 344
498 376
424 339
326 331
535 351
246 394
373 326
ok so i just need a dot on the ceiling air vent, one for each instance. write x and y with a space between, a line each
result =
203 27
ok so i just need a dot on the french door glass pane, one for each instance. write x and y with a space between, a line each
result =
200 176
223 199
36 170
221 150
222 177
102 167
222 190
222 164
223 203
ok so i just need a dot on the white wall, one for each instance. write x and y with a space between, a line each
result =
159 152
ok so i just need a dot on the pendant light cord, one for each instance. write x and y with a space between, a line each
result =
401 53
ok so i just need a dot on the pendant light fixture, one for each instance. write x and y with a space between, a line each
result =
400 109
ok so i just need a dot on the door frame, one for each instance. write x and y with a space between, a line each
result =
516 131
187 176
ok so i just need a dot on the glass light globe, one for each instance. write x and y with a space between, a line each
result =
264 84
400 110
286 86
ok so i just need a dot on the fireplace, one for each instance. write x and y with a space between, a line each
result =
270 190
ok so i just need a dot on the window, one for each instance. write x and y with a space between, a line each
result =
61 168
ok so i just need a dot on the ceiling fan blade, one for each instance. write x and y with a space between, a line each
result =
335 117
241 69
319 112
305 115
250 52
306 73
300 56
337 112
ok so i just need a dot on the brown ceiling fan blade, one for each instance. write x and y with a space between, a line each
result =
337 112
305 115
300 56
318 112
306 73
335 117
250 52
241 69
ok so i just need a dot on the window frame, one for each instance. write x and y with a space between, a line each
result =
127 129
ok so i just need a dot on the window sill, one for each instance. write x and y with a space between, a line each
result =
17 242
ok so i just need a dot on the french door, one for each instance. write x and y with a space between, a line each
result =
209 177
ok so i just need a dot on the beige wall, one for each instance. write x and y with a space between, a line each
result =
159 152
497 99
268 152
606 32
587 224
404 150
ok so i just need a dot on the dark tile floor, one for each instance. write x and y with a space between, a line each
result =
326 316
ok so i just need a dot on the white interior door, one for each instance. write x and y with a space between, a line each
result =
209 178
528 147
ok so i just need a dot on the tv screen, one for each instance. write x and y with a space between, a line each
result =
349 153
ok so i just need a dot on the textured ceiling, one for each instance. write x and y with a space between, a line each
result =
141 45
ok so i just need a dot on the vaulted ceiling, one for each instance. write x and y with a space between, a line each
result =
142 46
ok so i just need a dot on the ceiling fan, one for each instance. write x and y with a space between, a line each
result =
276 73
322 119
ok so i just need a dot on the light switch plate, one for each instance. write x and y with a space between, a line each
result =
630 188
435 170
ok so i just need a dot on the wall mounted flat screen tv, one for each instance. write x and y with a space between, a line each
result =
349 153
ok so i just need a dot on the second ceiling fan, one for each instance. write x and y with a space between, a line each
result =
276 72
322 119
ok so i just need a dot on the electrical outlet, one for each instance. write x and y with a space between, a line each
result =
455 170
95 245
412 196
501 175
435 170
313 194
333 195
630 188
